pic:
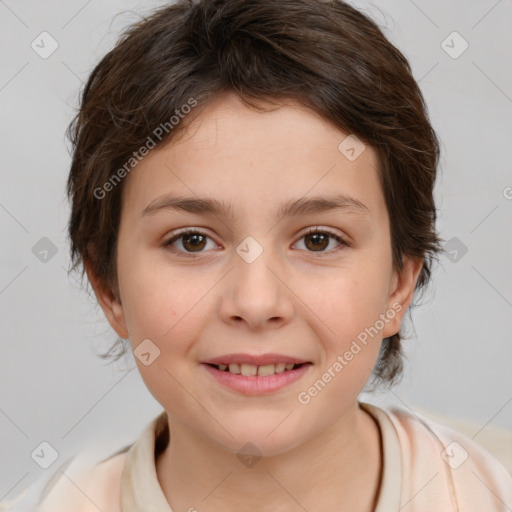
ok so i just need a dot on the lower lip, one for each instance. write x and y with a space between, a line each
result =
255 385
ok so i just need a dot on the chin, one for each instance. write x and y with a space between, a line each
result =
263 439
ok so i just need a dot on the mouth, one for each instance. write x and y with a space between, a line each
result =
251 370
256 375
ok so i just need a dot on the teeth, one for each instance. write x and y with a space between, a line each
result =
234 368
268 369
248 370
280 367
251 370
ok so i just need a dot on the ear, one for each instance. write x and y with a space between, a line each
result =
401 294
109 302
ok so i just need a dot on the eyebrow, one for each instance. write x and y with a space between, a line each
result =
293 207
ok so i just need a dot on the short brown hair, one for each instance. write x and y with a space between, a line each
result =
324 54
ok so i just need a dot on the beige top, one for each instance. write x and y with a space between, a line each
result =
426 467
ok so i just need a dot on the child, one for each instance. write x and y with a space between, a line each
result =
252 201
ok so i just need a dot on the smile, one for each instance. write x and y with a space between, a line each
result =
250 370
249 379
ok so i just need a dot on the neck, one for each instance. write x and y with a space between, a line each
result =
338 469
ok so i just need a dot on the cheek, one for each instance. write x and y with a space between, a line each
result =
159 302
166 308
350 307
354 300
351 344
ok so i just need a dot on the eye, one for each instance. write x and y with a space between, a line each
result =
194 241
317 239
191 241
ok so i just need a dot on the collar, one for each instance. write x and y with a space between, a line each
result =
141 491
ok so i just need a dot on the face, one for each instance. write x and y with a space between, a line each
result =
287 259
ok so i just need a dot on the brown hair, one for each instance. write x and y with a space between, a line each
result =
325 54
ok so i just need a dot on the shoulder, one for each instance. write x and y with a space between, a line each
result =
77 485
437 456
88 482
87 488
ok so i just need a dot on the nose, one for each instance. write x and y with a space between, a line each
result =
256 293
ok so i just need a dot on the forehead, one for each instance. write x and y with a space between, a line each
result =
253 159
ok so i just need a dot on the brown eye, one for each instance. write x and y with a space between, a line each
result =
195 242
317 240
191 241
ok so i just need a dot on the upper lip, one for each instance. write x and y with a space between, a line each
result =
256 360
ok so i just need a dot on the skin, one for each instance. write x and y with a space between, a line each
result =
297 298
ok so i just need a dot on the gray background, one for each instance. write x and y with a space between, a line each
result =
53 386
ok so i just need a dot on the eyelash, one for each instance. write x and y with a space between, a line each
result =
311 231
